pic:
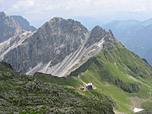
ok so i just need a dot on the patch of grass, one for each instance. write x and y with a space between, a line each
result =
111 71
25 94
147 105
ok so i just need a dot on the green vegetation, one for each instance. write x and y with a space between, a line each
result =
24 94
116 73
147 105
117 66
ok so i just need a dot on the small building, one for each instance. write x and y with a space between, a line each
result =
89 86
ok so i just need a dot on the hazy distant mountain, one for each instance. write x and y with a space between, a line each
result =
8 27
135 35
141 43
11 26
23 23
147 22
123 29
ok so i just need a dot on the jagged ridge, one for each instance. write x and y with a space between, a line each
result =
8 27
58 47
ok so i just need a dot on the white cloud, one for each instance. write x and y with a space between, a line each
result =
80 7
141 9
1 1
45 9
23 5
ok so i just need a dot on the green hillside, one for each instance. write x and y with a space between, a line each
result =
116 73
119 77
26 95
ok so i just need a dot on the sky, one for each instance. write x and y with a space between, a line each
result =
86 11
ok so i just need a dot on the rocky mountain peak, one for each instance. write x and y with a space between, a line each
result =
57 48
96 35
2 14
68 25
8 27
97 31
24 24
57 19
97 27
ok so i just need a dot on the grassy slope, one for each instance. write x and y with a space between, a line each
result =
116 72
147 105
25 94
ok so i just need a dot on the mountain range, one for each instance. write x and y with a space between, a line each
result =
57 48
12 25
135 35
23 23
8 27
62 56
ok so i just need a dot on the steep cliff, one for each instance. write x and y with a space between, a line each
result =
8 27
24 24
58 47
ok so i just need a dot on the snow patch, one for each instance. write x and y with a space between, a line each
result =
138 110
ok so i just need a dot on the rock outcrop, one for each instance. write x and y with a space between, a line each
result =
24 24
20 93
8 27
58 47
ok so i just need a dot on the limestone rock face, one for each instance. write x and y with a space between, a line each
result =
24 24
8 27
58 47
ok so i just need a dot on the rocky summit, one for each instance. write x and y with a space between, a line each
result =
24 24
8 27
58 47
